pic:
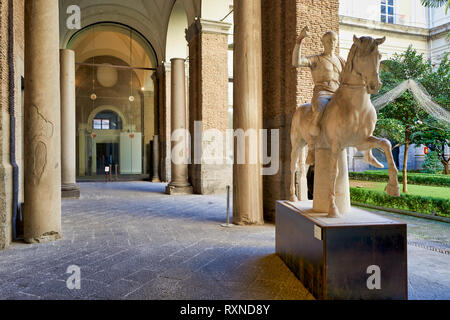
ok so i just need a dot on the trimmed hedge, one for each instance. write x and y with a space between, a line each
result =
439 180
427 205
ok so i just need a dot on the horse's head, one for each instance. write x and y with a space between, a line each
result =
366 61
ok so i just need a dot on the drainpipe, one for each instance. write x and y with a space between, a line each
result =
12 119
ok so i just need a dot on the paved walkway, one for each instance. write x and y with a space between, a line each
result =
133 242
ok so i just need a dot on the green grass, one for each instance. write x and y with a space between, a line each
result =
408 202
437 180
417 190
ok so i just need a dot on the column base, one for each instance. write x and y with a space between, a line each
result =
156 180
47 237
70 191
173 191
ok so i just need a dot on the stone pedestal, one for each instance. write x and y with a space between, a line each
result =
179 178
322 182
360 256
42 209
69 188
247 177
155 159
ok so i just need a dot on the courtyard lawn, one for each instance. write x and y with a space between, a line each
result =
417 190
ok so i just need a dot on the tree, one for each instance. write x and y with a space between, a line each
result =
435 134
436 137
402 119
432 164
436 4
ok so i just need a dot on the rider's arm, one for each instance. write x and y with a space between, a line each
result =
297 59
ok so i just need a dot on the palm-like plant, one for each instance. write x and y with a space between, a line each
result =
436 4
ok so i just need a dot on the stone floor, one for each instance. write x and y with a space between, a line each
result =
133 242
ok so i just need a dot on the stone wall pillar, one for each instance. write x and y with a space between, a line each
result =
42 211
179 183
285 87
155 159
211 171
69 188
247 178
164 77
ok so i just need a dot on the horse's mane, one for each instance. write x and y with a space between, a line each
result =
366 46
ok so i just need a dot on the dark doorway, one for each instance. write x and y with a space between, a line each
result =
107 154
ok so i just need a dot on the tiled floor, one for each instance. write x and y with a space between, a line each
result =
131 241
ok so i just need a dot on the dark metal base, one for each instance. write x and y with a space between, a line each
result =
335 258
71 191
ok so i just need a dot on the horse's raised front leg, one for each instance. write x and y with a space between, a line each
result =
393 188
333 210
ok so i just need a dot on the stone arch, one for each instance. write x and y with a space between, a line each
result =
140 18
117 32
96 111
176 44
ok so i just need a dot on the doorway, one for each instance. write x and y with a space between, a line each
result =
107 154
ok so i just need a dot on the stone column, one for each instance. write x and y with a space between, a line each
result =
155 159
247 178
211 170
179 178
69 188
42 211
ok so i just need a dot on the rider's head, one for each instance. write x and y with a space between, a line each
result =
330 41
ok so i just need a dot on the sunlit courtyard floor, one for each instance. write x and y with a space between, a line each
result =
131 241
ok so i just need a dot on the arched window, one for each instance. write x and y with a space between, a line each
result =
107 120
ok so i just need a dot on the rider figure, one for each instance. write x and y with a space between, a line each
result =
326 69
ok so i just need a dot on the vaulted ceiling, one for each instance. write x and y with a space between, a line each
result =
149 17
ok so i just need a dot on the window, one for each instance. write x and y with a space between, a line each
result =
107 120
387 11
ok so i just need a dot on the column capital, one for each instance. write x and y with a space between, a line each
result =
164 67
207 26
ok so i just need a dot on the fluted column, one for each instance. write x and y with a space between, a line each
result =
42 211
69 188
247 178
179 178
155 159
